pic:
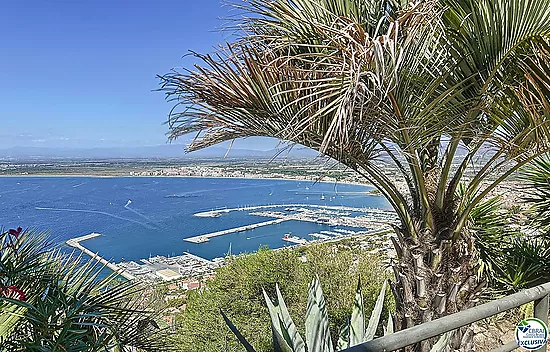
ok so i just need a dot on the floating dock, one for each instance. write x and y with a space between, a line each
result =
206 237
75 243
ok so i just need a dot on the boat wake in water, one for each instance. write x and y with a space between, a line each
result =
98 212
251 238
127 206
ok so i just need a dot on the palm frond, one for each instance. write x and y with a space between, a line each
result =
68 305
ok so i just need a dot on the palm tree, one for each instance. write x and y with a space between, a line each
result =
50 301
420 98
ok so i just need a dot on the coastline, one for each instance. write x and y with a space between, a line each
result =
262 177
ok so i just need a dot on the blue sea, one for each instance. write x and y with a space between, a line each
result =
147 216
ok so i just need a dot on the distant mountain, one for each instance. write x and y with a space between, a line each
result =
160 151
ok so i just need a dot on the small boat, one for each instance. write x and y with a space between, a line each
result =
322 197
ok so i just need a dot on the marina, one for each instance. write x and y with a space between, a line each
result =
219 212
320 236
168 268
154 224
371 219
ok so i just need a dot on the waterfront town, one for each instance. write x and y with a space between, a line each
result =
280 169
316 171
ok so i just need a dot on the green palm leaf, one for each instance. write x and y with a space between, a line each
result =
68 307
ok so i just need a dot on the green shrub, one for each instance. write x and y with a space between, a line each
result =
237 288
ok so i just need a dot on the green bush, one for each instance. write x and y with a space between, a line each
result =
237 288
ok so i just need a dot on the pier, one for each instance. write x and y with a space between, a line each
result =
206 237
75 243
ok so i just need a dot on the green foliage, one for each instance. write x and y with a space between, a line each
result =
355 332
416 96
238 289
510 259
525 263
537 177
50 301
287 338
176 302
445 92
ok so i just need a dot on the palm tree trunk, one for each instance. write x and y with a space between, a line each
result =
432 279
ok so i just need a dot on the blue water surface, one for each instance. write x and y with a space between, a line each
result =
160 212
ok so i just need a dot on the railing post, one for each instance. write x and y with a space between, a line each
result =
541 312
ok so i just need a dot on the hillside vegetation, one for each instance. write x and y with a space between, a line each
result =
237 289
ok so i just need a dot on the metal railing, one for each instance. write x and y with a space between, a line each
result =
452 322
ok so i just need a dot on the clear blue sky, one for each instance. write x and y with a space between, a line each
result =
82 73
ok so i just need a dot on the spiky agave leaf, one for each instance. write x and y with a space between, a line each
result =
357 322
286 336
389 327
288 327
375 315
352 333
248 347
443 342
279 341
317 325
344 336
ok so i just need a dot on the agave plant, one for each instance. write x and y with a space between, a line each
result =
50 301
286 337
